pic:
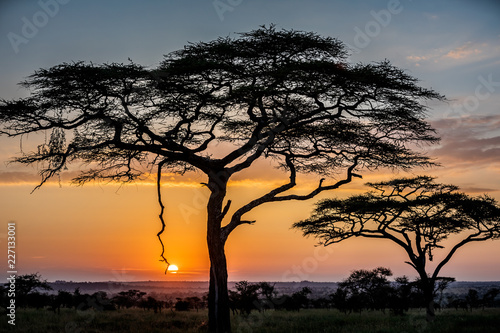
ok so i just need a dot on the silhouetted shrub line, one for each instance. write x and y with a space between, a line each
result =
363 290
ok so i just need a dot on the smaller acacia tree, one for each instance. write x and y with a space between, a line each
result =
416 214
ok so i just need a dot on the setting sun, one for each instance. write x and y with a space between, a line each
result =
173 269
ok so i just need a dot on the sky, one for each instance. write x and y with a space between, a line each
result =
107 232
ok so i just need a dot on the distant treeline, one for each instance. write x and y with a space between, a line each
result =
362 290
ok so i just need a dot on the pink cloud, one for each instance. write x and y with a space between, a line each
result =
464 51
468 141
468 52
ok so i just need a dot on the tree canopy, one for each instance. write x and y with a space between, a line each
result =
284 94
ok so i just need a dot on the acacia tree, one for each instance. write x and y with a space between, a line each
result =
415 213
288 96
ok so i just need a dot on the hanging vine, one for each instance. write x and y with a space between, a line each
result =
162 211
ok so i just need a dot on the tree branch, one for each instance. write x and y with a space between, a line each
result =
272 195
477 237
162 210
236 218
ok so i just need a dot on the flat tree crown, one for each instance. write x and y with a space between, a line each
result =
415 212
290 95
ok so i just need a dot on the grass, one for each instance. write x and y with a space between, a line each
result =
136 320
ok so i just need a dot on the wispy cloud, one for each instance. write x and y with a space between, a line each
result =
431 16
469 141
473 189
468 52
19 177
169 180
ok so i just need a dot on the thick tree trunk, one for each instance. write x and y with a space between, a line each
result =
429 301
427 287
219 319
430 311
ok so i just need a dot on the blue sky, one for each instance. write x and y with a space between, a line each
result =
451 46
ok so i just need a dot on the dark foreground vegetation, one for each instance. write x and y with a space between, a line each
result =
366 301
306 320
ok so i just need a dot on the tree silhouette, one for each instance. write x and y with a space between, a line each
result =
29 283
489 297
267 291
28 287
415 213
245 298
369 289
128 299
287 96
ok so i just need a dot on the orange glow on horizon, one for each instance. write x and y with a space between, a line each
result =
108 233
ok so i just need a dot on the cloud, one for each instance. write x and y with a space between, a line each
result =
458 55
470 125
469 153
478 189
465 51
19 177
431 16
169 180
472 141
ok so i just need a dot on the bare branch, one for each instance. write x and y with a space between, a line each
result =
162 210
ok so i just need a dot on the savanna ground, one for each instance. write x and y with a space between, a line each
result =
317 320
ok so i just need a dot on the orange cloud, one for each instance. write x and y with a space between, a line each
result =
464 51
418 58
468 52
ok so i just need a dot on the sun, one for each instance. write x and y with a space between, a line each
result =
173 269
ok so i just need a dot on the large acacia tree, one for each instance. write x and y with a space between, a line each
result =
288 96
417 214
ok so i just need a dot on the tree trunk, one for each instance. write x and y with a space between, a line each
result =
429 300
426 285
219 319
430 311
